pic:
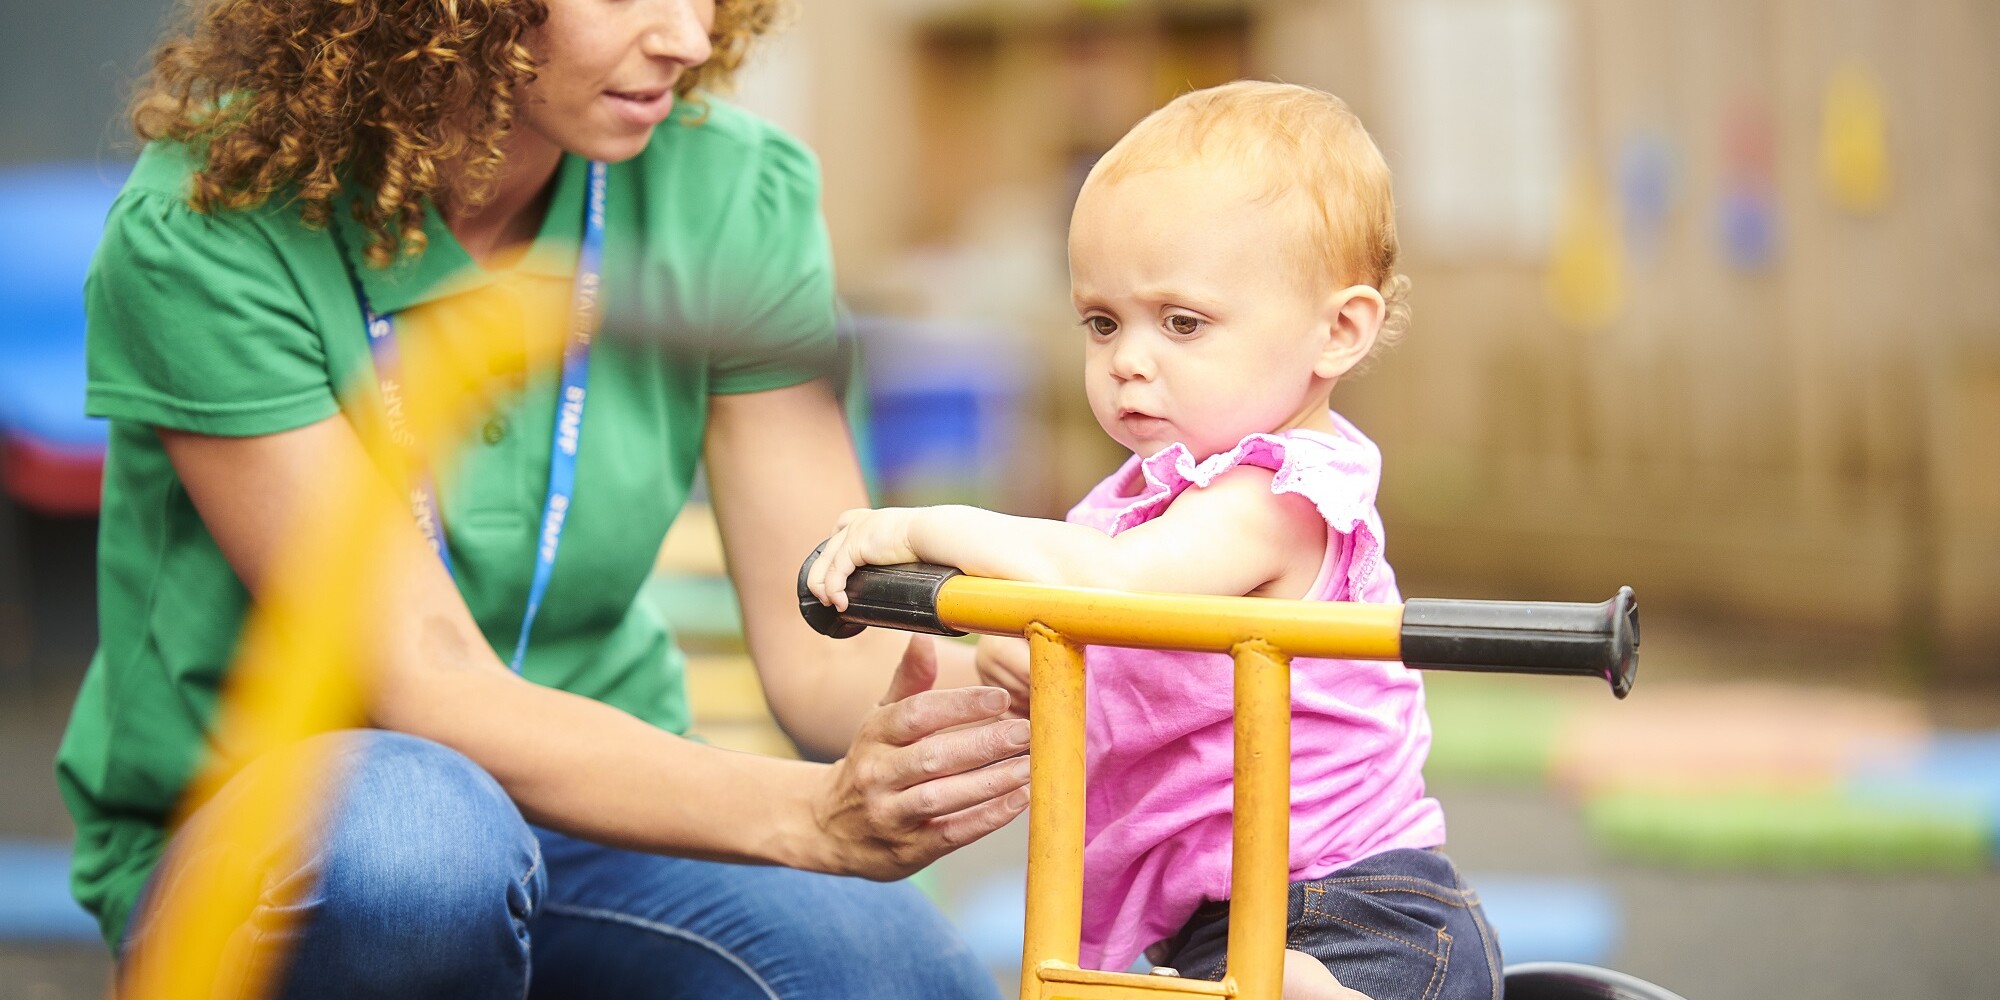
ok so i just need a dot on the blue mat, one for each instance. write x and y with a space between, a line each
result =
35 903
1551 919
1956 769
991 916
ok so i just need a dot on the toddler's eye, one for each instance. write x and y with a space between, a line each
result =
1186 326
1103 326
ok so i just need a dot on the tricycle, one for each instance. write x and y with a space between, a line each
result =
1261 635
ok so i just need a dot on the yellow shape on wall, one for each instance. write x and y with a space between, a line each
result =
1853 141
1586 277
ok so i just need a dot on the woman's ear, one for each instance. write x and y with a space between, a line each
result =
1353 317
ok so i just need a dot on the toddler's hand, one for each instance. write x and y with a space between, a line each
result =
1307 979
1002 661
861 537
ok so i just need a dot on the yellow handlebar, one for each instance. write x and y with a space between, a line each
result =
1586 640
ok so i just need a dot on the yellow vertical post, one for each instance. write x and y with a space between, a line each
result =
1263 823
1055 804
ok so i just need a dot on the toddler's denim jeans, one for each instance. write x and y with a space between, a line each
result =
430 884
1400 925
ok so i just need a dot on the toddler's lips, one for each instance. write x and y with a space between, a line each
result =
1141 424
644 108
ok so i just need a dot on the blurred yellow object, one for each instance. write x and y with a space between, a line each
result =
1341 629
1260 863
1853 140
298 674
1586 278
693 545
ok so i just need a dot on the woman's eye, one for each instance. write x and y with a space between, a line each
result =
1186 326
1103 326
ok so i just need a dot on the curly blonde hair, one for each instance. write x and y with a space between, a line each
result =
306 94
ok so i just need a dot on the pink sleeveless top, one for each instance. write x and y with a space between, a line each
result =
1159 744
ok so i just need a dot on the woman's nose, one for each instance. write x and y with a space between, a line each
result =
680 31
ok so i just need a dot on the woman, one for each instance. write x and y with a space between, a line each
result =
432 168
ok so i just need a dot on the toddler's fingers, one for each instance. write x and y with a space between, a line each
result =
836 578
816 576
813 577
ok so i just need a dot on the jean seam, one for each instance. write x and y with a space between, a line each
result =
528 877
1487 946
1379 933
1352 879
1438 974
666 930
1459 903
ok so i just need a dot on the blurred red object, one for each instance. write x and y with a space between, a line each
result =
51 480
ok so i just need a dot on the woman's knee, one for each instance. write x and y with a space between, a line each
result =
426 872
419 833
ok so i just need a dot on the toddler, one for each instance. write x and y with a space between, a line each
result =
1231 259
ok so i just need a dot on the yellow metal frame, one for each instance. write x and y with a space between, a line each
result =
1262 635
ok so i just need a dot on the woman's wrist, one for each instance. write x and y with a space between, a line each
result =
797 836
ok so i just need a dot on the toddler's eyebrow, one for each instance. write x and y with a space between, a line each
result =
1183 297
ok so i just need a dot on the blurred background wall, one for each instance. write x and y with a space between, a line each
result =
66 70
1705 291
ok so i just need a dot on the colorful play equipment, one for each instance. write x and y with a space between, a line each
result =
1261 634
51 456
944 402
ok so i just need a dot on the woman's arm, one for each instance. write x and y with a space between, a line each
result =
780 468
1232 537
588 769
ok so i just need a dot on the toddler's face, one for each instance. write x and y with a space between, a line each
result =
1199 328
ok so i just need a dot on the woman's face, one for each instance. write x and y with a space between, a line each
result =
607 70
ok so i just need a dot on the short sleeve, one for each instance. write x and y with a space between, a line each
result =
194 323
775 275
1339 473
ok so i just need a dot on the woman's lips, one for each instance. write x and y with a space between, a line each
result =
643 108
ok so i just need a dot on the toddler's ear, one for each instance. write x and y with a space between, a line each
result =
1353 317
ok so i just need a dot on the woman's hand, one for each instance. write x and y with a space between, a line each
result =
1002 661
909 792
861 537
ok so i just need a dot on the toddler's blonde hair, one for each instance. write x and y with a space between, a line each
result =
1290 139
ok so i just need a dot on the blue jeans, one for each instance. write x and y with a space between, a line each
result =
428 883
1400 924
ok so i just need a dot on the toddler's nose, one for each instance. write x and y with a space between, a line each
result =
1131 361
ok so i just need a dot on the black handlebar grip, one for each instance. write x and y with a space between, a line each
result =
1586 640
901 597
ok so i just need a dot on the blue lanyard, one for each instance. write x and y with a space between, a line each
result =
569 412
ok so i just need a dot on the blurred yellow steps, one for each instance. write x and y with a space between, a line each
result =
728 705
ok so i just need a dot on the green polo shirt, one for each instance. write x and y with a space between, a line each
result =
717 279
